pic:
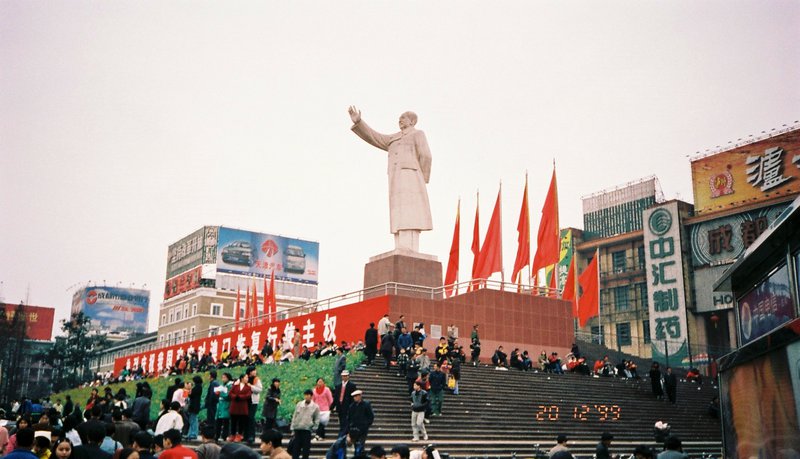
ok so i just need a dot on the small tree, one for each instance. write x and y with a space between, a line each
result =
72 354
13 328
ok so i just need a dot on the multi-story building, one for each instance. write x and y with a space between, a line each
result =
215 268
613 229
659 260
738 193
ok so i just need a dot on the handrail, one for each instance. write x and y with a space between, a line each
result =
389 288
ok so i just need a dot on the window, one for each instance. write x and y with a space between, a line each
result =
178 315
161 338
171 316
597 335
213 331
186 310
216 309
618 261
191 333
640 254
624 334
194 309
621 298
169 337
641 290
646 331
163 319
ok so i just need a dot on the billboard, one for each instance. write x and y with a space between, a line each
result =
665 284
183 282
565 256
193 250
259 254
346 323
706 298
723 240
113 309
752 173
38 320
766 306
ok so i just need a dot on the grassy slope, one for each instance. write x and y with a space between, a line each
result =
295 378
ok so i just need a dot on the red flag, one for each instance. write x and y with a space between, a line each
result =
451 276
548 241
524 238
490 259
476 243
273 305
589 304
569 288
238 307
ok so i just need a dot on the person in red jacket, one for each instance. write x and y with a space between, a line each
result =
239 410
173 448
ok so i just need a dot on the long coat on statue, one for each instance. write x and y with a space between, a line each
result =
409 170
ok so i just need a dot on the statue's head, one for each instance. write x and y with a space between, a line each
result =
408 119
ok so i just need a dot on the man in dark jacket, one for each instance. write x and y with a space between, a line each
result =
91 449
438 382
141 409
371 343
387 348
601 451
671 385
212 398
342 399
195 396
360 416
24 445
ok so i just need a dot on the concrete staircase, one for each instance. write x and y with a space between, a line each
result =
508 413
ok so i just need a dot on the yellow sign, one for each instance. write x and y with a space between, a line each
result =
752 173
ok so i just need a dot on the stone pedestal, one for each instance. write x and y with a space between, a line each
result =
404 267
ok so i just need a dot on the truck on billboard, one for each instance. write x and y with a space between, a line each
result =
113 309
259 254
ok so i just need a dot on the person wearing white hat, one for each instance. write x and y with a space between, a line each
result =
342 399
360 416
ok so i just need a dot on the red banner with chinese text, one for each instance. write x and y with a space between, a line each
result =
38 320
343 323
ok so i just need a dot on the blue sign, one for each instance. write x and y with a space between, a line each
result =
113 309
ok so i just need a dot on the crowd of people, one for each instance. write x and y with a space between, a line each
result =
672 449
237 403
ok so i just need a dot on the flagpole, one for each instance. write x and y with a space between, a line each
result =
502 271
599 298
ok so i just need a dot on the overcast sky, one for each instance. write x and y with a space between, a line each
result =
125 126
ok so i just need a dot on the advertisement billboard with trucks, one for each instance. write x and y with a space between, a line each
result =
259 254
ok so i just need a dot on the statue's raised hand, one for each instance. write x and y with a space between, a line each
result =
355 114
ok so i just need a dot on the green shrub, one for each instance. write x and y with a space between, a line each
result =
295 378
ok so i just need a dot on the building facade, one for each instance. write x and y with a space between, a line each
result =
614 218
216 268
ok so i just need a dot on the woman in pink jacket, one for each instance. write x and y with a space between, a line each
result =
323 398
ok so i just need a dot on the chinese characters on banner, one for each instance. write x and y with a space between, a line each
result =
184 282
724 239
665 286
759 171
346 323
